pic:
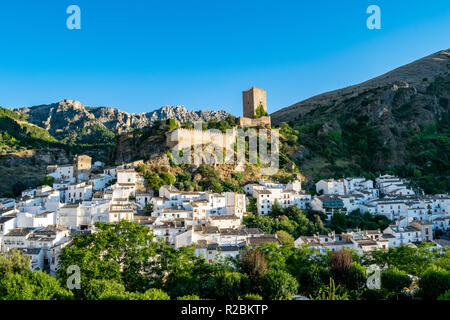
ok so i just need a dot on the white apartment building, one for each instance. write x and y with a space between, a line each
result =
285 196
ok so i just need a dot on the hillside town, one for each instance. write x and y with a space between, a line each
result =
42 222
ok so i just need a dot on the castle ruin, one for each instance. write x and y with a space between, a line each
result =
254 102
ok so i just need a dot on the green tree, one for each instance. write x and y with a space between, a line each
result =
167 178
229 285
251 296
252 206
48 181
185 273
445 295
309 268
150 294
278 285
13 262
125 252
254 263
260 112
340 263
393 281
189 297
172 124
102 289
434 282
356 278
331 293
285 238
34 285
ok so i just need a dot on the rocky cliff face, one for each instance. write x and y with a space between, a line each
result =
115 119
62 117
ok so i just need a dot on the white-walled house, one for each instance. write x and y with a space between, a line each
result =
16 239
168 230
402 235
6 203
213 252
224 221
78 192
7 223
121 209
111 171
442 223
143 198
81 216
30 220
361 241
126 176
267 197
47 237
99 181
63 172
345 186
324 243
330 186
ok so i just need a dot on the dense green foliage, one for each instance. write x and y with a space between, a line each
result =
94 135
260 112
429 151
335 141
297 222
340 222
291 220
393 281
126 261
434 282
17 282
16 134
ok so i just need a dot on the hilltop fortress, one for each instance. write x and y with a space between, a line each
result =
254 116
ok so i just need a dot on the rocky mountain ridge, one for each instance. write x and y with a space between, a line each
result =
59 118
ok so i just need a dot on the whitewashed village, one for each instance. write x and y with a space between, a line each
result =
43 220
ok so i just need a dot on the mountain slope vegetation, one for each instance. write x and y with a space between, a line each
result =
398 122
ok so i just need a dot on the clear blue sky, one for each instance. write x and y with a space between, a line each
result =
141 55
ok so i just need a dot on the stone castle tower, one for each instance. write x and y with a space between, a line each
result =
252 98
81 164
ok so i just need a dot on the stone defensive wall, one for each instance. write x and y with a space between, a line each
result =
263 122
184 138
